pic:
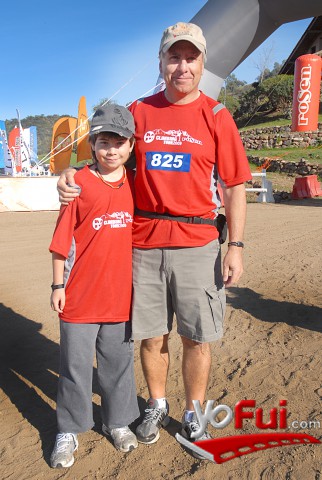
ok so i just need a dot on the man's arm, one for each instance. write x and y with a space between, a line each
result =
235 210
64 186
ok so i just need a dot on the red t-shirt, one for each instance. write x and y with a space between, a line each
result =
180 150
94 234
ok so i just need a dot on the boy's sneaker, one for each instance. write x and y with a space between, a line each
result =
123 438
190 426
62 454
155 417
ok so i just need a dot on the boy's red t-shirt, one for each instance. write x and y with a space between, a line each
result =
180 150
94 233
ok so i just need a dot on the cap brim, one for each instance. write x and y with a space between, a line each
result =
198 45
111 128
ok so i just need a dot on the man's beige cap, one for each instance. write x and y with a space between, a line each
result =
183 31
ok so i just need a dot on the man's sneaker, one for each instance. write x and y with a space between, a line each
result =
155 417
188 427
123 438
62 454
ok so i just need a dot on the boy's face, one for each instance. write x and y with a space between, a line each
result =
111 151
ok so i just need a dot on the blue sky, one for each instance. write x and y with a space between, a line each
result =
55 52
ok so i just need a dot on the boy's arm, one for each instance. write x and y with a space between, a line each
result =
66 192
57 298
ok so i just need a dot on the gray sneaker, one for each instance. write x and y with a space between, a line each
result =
123 438
148 431
188 427
62 454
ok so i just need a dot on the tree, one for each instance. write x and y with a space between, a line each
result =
276 68
279 92
231 102
263 61
272 92
251 102
231 93
233 85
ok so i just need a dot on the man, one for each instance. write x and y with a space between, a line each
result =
183 141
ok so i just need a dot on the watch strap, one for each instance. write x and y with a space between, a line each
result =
236 244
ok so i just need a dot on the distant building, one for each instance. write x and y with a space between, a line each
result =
310 42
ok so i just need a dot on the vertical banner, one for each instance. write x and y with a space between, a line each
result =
24 149
15 148
2 143
306 96
62 143
9 166
33 144
84 151
30 139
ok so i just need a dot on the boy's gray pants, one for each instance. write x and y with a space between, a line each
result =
114 354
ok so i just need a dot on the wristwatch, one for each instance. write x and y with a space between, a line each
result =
55 287
236 244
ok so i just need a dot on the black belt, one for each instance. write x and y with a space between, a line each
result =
219 222
167 216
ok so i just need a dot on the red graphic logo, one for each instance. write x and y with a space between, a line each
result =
223 449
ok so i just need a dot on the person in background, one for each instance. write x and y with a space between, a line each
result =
91 291
184 142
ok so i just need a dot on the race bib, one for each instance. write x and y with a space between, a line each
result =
174 162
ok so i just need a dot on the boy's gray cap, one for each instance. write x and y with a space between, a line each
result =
113 118
183 31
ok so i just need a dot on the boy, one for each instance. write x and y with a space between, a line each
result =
91 291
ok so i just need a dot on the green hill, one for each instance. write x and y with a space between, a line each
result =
44 126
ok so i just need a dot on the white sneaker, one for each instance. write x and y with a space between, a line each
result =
123 438
62 454
155 417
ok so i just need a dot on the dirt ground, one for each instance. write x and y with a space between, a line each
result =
271 351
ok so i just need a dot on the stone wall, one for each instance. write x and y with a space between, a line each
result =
282 137
301 168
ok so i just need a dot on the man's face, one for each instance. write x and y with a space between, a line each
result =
181 67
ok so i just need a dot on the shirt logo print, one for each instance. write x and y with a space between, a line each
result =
170 137
113 220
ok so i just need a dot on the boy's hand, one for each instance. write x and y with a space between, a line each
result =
57 300
64 186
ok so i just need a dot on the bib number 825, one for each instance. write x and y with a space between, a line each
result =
179 162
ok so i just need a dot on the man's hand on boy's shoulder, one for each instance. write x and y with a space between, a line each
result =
65 186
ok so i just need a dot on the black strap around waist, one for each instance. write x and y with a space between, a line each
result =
167 216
